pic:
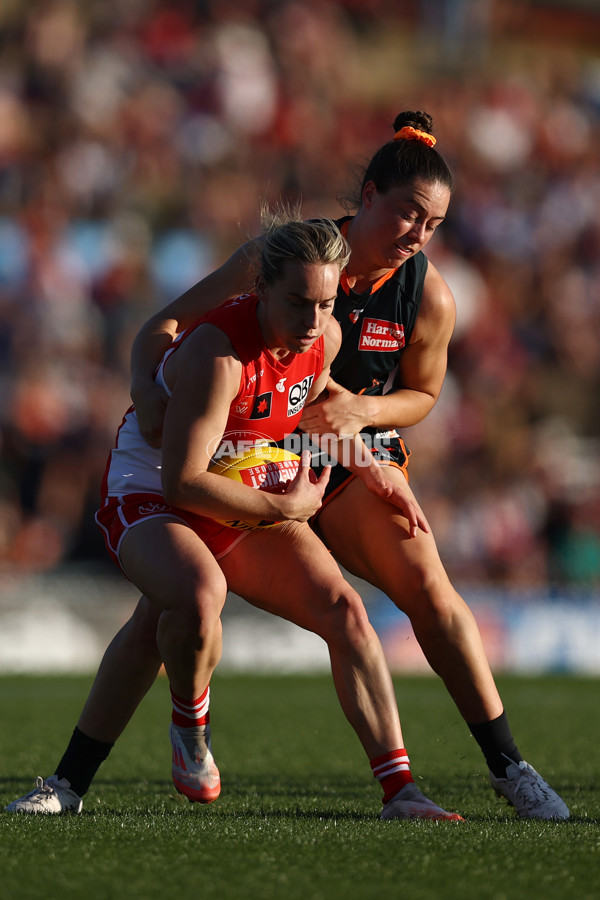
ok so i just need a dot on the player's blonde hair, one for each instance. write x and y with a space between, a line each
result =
288 237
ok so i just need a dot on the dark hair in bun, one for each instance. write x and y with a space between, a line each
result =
402 160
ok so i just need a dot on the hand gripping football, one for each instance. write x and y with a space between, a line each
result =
264 467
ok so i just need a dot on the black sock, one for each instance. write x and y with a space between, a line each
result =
497 743
81 761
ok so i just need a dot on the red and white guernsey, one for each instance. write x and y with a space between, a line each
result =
267 406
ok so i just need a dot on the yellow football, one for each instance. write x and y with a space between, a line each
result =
264 467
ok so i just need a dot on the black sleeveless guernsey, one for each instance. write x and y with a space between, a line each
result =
376 327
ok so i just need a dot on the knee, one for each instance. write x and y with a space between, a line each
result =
429 600
196 616
347 621
202 612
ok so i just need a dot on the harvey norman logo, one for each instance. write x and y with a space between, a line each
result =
378 334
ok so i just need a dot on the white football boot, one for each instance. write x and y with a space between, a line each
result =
195 773
410 803
526 790
48 798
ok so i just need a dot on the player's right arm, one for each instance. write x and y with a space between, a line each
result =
230 280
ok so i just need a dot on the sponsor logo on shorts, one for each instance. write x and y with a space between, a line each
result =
381 335
149 509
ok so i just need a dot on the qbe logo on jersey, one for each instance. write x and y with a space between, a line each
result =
381 335
297 395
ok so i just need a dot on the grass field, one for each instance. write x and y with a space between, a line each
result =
298 814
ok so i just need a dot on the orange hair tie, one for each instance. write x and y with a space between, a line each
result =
408 133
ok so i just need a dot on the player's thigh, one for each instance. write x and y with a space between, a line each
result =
171 566
289 572
369 537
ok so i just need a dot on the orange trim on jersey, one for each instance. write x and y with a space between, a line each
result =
344 278
374 287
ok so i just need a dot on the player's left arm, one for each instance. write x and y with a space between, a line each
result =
422 369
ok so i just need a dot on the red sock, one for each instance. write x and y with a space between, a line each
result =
190 713
393 771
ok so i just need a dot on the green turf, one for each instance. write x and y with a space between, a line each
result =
298 814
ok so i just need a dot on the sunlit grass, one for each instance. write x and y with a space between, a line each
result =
298 816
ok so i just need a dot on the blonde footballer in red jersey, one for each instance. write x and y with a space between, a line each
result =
160 507
266 404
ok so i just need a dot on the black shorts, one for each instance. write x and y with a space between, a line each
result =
387 447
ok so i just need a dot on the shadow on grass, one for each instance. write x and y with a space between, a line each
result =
260 796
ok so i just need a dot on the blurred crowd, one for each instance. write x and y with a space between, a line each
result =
137 141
